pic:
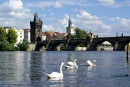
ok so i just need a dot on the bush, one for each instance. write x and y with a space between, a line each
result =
24 45
4 46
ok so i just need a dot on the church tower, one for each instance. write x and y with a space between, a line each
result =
36 29
69 29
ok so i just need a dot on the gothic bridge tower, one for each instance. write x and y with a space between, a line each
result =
36 29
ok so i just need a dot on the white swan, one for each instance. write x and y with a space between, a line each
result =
91 63
71 65
56 75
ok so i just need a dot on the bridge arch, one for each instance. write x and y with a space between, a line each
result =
105 45
97 43
59 46
40 47
38 38
78 46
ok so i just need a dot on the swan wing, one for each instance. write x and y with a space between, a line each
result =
70 63
54 75
74 65
89 63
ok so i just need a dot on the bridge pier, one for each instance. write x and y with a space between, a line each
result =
119 47
91 48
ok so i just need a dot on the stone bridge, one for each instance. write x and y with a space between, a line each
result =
91 44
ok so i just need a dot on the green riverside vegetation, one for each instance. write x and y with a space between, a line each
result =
8 40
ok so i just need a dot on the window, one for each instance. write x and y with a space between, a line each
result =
21 40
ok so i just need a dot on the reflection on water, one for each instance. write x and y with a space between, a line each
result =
36 69
90 68
128 67
28 69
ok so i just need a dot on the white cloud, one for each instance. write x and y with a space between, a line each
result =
86 16
57 4
14 12
15 5
90 22
59 26
122 21
19 15
120 24
110 3
48 27
15 9
114 3
86 21
7 21
41 4
64 21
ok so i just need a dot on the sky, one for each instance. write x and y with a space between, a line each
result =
104 18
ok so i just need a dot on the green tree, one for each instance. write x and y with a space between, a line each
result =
24 45
3 34
4 46
12 36
11 47
80 34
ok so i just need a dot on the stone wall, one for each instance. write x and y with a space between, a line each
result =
80 49
31 47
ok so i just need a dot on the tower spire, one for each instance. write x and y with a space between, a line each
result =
69 23
36 17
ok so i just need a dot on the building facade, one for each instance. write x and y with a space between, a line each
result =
55 35
19 32
36 29
27 34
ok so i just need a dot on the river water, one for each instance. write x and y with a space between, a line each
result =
28 69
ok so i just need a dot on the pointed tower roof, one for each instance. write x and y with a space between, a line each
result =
69 23
36 17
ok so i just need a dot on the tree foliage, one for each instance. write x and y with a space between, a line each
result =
80 34
7 41
12 36
24 45
4 46
11 47
3 34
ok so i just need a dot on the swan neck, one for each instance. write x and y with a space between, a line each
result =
74 62
61 68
